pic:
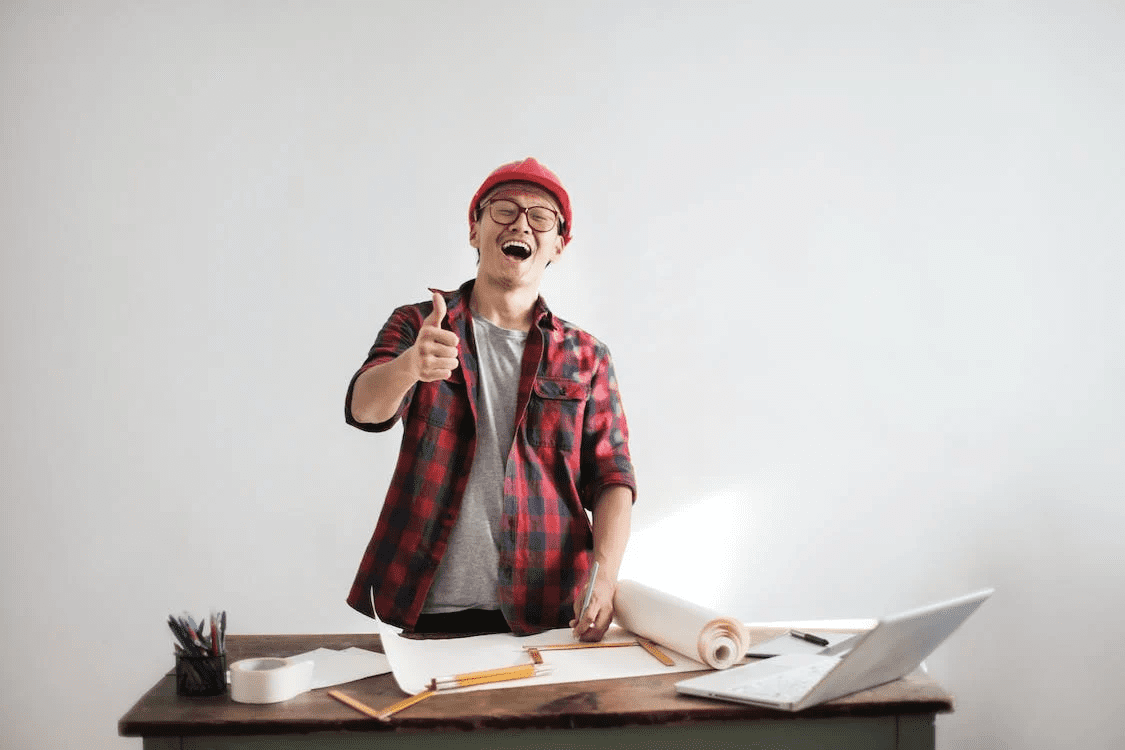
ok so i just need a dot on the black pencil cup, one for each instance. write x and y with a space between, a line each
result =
201 675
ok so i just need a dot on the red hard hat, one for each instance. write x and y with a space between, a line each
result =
531 171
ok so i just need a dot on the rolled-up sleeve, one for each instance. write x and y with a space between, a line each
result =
397 335
605 436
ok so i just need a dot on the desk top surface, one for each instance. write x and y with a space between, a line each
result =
599 703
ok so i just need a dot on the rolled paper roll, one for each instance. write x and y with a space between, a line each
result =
699 633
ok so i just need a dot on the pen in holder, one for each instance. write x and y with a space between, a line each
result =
201 657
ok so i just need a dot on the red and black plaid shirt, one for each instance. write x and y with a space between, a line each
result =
571 442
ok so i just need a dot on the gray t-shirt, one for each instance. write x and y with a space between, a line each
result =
467 576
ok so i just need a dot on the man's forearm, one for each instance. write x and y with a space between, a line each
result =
612 517
379 390
612 521
433 356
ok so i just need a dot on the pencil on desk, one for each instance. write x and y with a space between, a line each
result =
442 683
488 676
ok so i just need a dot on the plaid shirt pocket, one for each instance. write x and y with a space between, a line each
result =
555 413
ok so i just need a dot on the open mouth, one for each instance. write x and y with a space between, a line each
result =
517 250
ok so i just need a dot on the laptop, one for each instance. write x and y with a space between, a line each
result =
892 649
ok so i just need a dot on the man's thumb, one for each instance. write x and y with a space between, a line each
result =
438 314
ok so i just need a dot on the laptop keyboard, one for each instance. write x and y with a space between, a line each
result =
790 685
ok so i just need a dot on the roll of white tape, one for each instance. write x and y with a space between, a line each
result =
269 680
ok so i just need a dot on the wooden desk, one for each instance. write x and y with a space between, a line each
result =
636 713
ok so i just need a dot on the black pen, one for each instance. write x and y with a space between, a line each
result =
809 637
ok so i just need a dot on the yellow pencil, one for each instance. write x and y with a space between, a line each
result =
487 676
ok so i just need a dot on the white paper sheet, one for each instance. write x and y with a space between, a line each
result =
416 662
694 637
332 667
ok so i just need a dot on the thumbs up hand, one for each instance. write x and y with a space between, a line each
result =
434 352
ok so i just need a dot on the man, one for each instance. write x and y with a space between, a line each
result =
512 429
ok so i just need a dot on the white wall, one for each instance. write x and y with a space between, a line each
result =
860 270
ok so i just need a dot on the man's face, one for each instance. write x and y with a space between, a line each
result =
515 255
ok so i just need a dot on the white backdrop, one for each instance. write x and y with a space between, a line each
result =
860 270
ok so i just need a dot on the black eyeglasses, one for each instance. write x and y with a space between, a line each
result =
505 212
